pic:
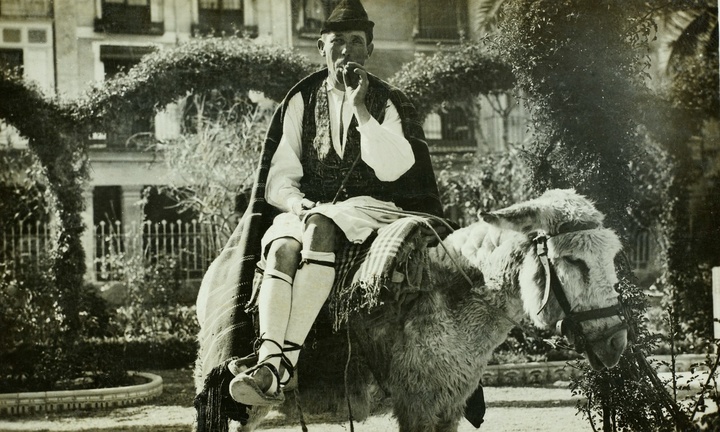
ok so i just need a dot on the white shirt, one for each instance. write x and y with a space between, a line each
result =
382 145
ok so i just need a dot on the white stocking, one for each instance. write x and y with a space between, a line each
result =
313 282
274 301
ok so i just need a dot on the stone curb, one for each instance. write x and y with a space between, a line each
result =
523 374
38 402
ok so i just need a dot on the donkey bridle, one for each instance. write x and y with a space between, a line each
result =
571 324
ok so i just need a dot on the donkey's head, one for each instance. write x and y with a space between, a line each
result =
568 275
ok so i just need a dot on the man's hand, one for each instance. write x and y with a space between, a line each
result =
300 208
356 86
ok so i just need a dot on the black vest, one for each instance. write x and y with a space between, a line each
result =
323 169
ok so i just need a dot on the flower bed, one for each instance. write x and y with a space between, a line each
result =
543 373
37 402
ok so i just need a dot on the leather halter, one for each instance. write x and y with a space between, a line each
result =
572 321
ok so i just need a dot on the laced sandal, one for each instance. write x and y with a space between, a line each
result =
287 366
245 388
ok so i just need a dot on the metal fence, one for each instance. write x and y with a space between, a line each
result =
24 244
191 246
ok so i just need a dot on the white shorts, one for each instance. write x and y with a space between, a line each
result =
357 218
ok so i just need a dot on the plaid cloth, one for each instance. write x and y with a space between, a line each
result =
393 256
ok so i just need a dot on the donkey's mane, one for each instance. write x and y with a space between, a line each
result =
461 258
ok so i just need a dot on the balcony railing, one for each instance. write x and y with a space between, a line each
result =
223 22
439 33
127 19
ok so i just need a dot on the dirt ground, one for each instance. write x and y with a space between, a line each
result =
173 418
509 410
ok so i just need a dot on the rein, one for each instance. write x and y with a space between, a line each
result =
571 324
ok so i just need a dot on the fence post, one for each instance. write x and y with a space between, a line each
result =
89 236
132 212
716 300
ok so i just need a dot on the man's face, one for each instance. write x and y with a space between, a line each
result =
342 47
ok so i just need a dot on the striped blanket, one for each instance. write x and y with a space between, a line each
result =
394 258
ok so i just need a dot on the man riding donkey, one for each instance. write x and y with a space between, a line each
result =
344 156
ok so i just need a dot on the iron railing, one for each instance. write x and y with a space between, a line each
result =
24 244
191 246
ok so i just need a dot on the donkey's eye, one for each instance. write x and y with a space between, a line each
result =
580 264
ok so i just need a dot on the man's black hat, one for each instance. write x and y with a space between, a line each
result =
349 15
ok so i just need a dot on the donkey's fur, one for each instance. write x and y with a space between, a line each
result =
431 356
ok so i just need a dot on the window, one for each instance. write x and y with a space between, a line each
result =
26 8
312 15
107 223
12 35
130 17
117 59
222 16
441 20
37 36
11 59
120 58
450 130
170 232
640 252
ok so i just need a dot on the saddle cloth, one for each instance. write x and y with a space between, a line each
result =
391 256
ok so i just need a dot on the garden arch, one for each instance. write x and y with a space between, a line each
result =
57 130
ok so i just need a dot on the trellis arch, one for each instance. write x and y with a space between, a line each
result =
57 131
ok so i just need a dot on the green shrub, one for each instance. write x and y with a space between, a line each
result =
35 353
152 328
168 352
481 183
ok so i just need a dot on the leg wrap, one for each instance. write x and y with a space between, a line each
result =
276 274
313 283
274 302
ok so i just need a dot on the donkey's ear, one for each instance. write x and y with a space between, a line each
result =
518 217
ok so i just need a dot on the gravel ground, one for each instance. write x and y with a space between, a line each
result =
521 409
150 418
509 409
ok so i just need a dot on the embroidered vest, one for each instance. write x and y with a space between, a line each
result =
323 169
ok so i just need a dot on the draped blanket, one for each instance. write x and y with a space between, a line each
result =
395 257
227 330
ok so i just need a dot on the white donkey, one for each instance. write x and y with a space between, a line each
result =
549 258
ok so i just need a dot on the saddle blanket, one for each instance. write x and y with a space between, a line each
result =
362 270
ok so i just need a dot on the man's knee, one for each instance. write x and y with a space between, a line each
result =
284 255
319 233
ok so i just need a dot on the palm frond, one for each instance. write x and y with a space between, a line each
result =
696 36
488 13
712 47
